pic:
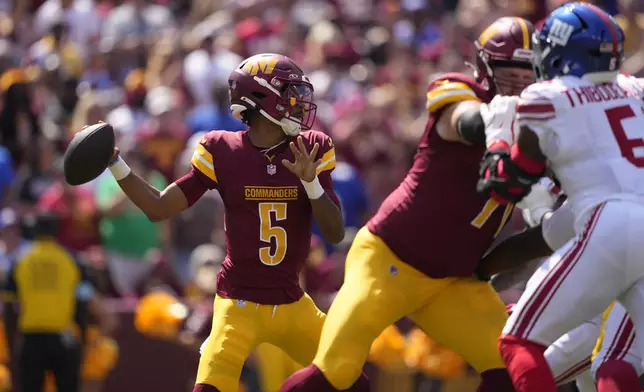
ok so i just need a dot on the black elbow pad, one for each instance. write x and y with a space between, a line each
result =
470 127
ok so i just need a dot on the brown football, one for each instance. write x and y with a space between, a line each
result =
89 153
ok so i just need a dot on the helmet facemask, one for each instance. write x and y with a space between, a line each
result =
511 77
296 102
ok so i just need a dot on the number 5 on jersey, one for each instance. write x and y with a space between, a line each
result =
275 236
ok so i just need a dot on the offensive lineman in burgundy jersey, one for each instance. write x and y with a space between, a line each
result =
416 257
273 180
438 191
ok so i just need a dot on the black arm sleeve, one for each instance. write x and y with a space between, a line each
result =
470 127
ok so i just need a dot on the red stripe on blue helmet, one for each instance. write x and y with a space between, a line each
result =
609 22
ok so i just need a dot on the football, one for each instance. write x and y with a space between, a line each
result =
89 153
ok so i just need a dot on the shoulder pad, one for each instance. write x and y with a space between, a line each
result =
539 102
548 89
450 89
631 82
326 153
314 136
203 159
459 77
211 138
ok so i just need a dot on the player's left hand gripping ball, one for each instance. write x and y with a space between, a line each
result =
501 180
305 163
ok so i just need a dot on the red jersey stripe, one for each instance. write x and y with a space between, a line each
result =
535 108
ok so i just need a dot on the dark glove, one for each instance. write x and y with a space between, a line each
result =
501 180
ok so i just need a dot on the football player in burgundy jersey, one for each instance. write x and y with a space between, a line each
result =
274 179
417 256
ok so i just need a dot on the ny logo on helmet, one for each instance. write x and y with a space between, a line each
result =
560 32
266 66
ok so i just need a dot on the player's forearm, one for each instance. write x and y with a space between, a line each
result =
329 218
157 205
508 279
515 251
146 197
143 195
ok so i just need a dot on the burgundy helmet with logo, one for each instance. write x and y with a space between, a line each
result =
274 86
506 43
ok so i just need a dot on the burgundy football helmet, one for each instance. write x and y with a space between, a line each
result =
503 47
277 88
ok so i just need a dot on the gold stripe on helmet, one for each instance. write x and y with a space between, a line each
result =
525 31
488 33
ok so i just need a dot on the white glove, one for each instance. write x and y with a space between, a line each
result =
560 227
498 116
539 202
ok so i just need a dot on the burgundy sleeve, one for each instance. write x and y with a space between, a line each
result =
193 186
327 184
327 155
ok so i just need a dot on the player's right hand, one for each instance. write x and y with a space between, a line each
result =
501 180
538 202
498 117
116 153
115 156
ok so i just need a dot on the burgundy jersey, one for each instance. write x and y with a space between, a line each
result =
435 220
268 215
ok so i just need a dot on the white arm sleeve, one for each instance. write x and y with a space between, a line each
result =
539 202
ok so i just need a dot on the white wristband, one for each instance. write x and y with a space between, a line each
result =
119 169
313 189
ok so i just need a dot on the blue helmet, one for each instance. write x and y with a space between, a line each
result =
578 39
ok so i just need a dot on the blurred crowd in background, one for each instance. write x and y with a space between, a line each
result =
157 71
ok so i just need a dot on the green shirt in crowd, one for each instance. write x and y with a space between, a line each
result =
131 233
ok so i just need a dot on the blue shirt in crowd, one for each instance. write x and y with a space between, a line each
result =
7 174
353 197
210 117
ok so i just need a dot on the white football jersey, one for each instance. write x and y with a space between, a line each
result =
592 135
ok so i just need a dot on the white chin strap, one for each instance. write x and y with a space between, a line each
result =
290 127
